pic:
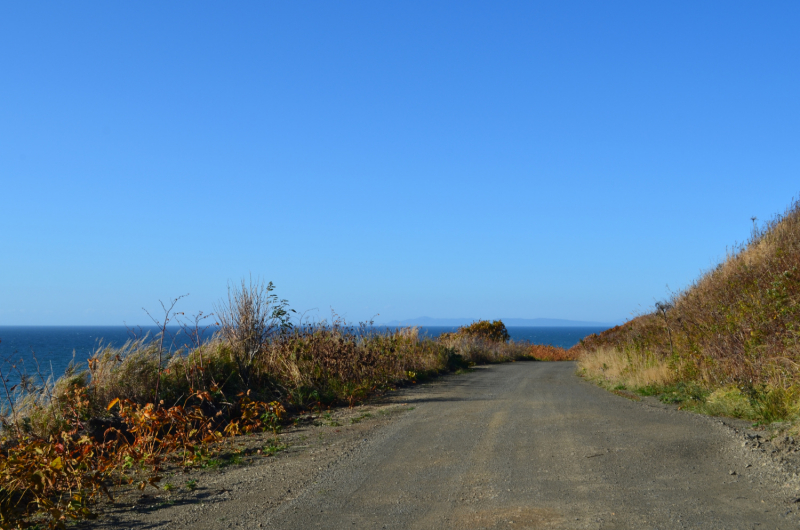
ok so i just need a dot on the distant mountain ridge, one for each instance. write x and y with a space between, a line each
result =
510 322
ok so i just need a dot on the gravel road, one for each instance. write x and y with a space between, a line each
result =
519 445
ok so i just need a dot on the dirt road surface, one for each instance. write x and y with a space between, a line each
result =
513 446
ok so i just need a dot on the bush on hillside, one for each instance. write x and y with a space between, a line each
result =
494 331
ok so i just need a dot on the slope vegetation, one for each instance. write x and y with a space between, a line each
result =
727 344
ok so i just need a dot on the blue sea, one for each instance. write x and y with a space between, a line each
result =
48 350
54 347
565 337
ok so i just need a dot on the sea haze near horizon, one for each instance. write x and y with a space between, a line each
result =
54 347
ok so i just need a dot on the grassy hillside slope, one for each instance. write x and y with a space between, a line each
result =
727 344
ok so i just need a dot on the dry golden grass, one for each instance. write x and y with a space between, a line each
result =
476 349
632 370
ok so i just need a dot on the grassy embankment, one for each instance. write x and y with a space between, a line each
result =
727 345
138 410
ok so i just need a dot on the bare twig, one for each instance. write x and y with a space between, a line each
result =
162 324
10 402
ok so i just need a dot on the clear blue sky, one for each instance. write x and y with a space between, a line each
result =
449 159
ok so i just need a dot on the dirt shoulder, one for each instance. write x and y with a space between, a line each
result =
519 445
253 472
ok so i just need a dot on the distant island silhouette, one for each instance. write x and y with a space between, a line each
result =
512 322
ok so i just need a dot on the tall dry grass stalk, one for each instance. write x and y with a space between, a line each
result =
248 319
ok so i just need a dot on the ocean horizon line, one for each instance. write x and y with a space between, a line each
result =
509 322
